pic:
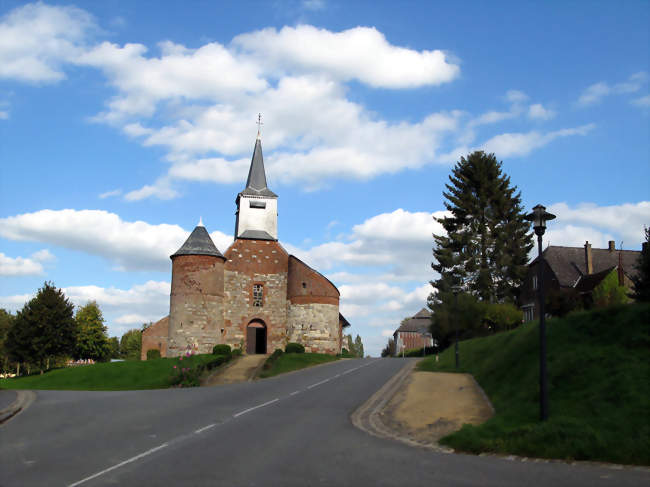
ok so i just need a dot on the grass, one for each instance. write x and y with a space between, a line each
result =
598 381
113 376
296 361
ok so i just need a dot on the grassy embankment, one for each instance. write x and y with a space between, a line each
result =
288 362
114 376
598 382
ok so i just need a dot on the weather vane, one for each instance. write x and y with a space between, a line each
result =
259 123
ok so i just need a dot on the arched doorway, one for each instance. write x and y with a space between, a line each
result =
256 337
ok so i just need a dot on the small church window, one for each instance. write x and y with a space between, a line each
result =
258 294
304 285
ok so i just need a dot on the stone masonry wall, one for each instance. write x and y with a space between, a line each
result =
255 262
155 337
316 326
196 304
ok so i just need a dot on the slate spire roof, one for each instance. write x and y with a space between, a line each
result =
256 182
199 243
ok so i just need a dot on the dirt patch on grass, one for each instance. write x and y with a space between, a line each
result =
430 405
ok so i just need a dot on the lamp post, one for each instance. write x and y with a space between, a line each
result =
456 290
539 217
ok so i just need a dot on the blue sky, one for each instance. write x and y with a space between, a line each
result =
123 123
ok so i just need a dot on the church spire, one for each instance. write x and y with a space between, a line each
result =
256 182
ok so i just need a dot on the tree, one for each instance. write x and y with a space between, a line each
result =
642 279
389 349
358 347
486 242
114 347
44 329
6 322
92 341
131 345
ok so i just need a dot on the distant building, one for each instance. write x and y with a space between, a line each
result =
578 268
254 296
411 332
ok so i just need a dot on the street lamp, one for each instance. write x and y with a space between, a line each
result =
456 289
539 217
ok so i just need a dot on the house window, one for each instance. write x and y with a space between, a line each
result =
534 282
258 294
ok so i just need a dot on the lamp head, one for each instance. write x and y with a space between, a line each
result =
539 216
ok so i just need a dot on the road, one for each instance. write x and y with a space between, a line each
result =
293 430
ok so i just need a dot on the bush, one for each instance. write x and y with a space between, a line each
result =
221 349
236 352
294 348
153 354
274 356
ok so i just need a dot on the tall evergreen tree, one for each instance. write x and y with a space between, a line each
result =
44 329
92 341
485 249
358 347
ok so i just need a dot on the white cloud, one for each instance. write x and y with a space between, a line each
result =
160 190
36 40
599 224
313 4
538 112
24 266
4 115
516 96
361 53
109 194
644 101
596 92
522 144
130 245
388 333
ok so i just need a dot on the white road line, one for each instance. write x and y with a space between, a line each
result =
318 383
201 430
294 393
132 459
337 375
254 407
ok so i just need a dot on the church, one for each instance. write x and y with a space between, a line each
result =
255 296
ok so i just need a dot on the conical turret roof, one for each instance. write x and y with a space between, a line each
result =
199 243
256 182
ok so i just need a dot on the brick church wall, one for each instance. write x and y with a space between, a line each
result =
196 303
155 337
256 262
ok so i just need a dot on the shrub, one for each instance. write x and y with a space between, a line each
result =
221 349
216 362
294 348
153 354
274 356
236 352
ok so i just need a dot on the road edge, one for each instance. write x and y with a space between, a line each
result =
24 399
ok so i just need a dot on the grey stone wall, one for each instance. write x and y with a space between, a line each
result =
316 326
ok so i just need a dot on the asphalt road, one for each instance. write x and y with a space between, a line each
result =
293 430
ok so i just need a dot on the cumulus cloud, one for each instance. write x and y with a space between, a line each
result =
36 40
129 245
599 224
24 266
644 101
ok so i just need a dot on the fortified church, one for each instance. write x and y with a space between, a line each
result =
255 296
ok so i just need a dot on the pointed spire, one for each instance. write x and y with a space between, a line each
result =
256 182
259 126
199 243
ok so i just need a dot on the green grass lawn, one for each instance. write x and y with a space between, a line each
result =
598 382
114 376
295 361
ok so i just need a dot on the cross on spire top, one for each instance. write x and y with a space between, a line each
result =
259 124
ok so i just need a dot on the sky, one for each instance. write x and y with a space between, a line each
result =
123 123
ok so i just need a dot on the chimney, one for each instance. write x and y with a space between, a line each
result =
612 246
589 264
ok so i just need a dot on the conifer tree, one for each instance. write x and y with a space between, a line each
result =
43 329
485 250
642 279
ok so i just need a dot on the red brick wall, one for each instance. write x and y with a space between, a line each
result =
308 286
155 337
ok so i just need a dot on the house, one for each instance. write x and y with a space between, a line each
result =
255 296
580 269
411 333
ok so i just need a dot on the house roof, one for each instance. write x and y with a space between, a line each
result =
589 282
256 182
568 263
198 243
345 322
422 319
